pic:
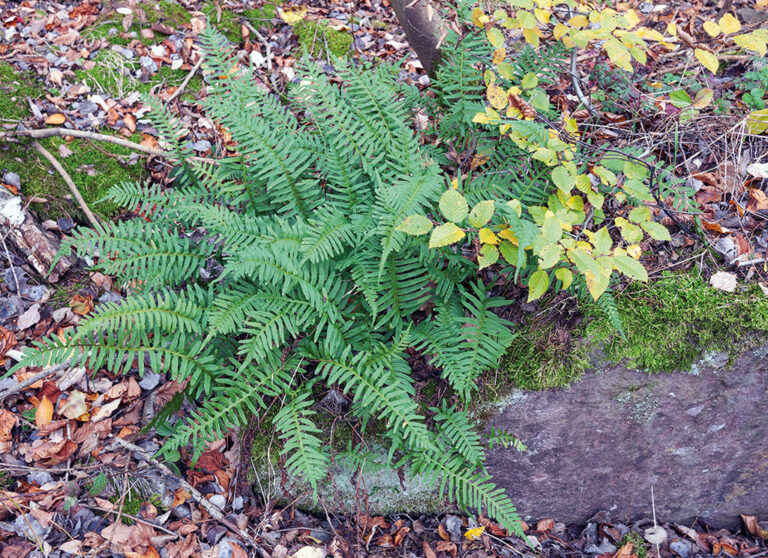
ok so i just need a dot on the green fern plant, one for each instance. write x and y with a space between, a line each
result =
283 267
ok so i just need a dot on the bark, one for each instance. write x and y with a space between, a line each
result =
29 238
423 28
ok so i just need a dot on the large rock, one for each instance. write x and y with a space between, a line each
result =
699 438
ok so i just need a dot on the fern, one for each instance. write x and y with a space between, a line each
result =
313 284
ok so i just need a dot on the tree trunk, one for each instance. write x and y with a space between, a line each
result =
423 28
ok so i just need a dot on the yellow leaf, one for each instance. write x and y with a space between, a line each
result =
578 21
499 55
729 24
632 18
619 54
559 31
487 237
712 28
672 29
481 118
757 121
44 413
650 34
532 36
474 534
495 37
542 16
479 18
507 234
294 14
635 251
751 41
497 96
56 119
708 60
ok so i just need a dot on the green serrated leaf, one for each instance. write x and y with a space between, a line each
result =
637 190
482 213
549 255
630 267
530 81
506 70
631 233
563 179
415 225
657 231
509 252
551 229
602 241
453 206
640 215
446 234
489 255
98 484
565 276
635 170
538 284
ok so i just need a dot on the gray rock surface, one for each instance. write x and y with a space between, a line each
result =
699 438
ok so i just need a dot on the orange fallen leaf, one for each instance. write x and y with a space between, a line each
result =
56 119
751 522
44 413
130 122
81 304
179 497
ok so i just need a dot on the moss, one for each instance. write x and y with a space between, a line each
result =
639 548
264 14
167 12
317 38
92 171
672 322
228 24
102 31
133 502
669 324
15 87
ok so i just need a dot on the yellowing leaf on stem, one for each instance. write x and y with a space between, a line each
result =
488 255
499 55
542 16
529 81
703 98
481 213
446 234
707 59
729 24
712 28
532 36
630 267
619 54
559 31
757 121
453 206
495 37
632 18
415 225
538 284
753 42
497 96
578 21
479 18
565 276
487 236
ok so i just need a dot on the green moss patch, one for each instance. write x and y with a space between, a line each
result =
92 171
167 12
318 38
669 324
15 87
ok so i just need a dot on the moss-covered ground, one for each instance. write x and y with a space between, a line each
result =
94 169
318 38
668 325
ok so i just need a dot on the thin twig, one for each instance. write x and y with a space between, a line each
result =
68 180
186 81
260 37
133 517
204 503
56 369
576 83
108 542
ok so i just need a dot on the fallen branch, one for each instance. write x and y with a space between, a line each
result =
68 180
41 133
204 503
186 81
44 373
265 42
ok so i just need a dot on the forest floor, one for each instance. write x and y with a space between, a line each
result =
76 472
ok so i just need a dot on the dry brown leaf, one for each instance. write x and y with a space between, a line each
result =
130 122
443 533
750 521
428 552
757 200
179 497
520 104
105 411
56 119
625 551
44 413
81 304
545 525
728 178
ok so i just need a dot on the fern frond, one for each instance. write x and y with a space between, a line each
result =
459 434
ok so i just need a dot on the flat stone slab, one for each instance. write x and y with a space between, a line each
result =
699 438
